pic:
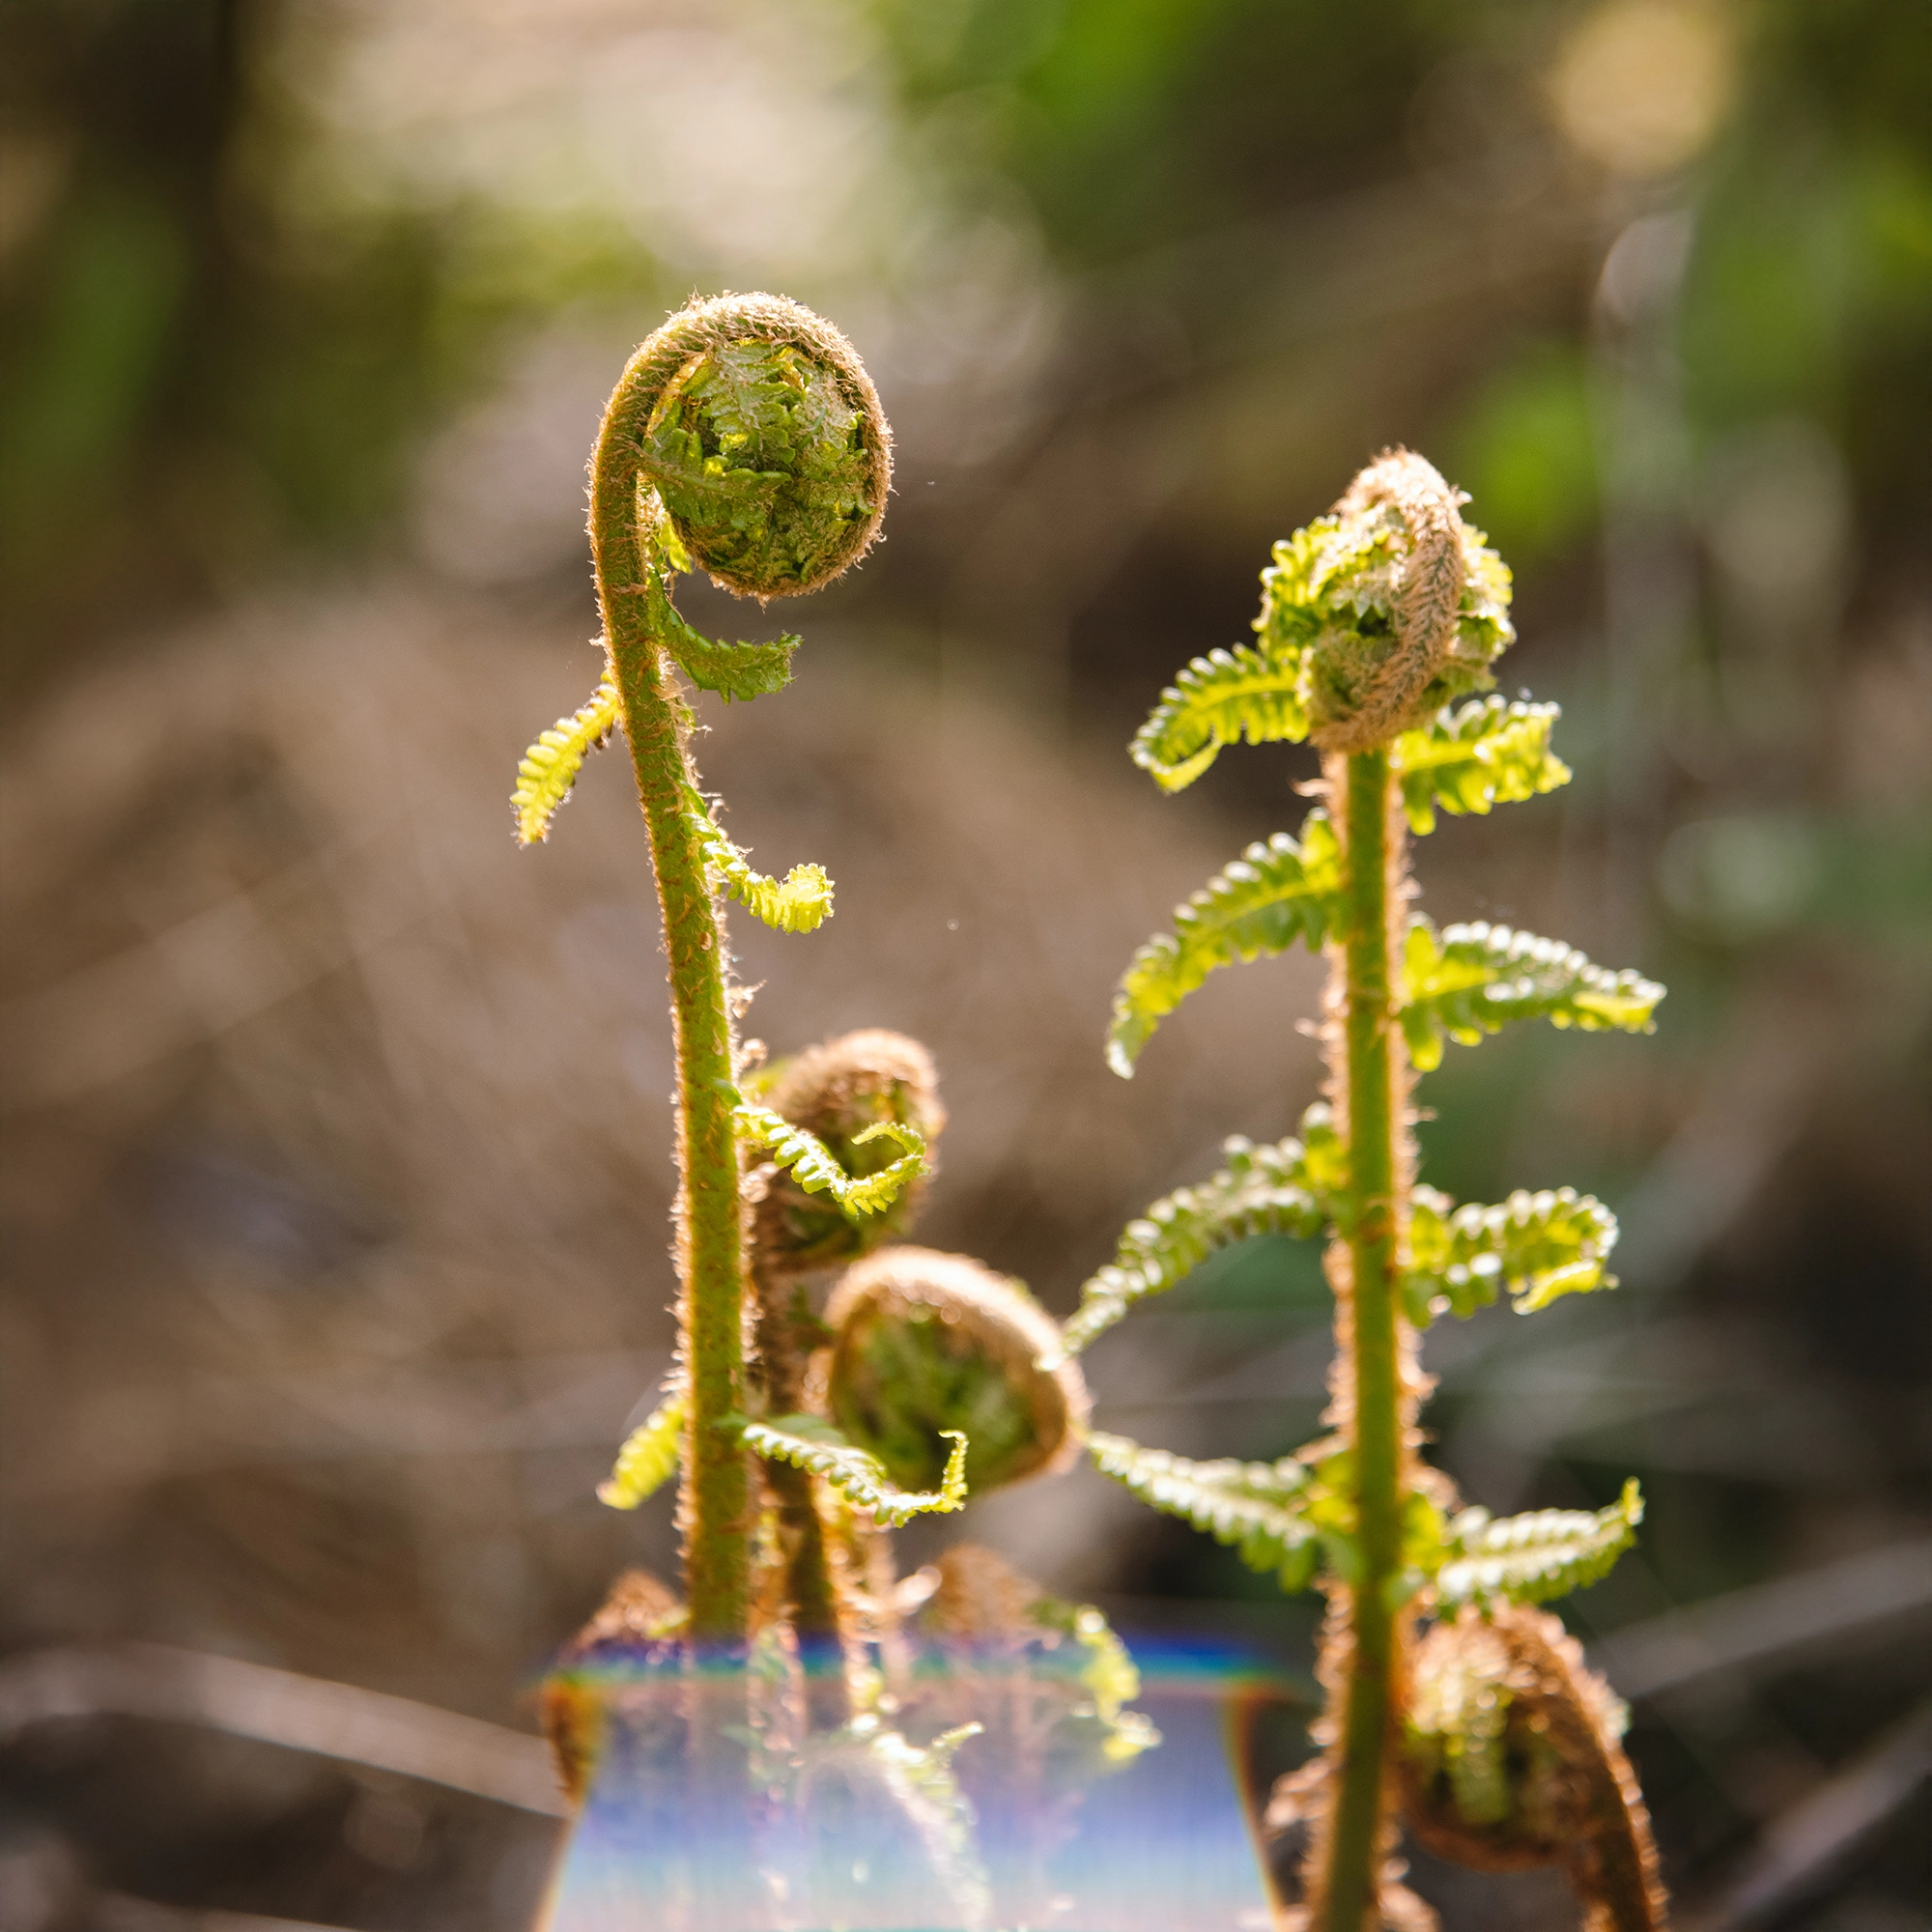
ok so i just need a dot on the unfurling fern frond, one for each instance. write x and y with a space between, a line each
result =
1219 700
809 1443
1474 979
1276 894
649 1457
799 903
742 672
813 1168
1538 1246
549 767
1528 1560
1258 1507
1262 1190
1488 753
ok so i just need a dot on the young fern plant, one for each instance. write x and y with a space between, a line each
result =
744 438
1375 621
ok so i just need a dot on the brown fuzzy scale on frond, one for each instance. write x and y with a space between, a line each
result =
925 1343
1512 1758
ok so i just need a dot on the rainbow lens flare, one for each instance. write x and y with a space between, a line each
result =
978 1796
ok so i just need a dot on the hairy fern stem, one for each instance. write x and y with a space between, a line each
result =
715 1508
1371 1081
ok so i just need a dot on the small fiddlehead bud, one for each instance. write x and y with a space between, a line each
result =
1512 1758
757 424
1396 605
836 1093
925 1343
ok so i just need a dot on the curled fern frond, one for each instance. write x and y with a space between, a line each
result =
811 1444
758 426
799 903
1393 605
1488 753
1276 894
1219 700
1257 1508
1474 979
649 1457
925 1343
549 767
811 1165
1262 1190
1528 1560
1538 1246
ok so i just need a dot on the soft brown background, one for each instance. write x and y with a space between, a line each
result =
334 1137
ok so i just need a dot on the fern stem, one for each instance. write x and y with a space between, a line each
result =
1373 1071
715 1509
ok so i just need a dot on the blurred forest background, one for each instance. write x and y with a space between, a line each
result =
335 1130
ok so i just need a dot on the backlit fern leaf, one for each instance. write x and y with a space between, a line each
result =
809 1443
1474 979
1254 1507
549 767
1262 1190
1276 893
1244 692
649 1457
1488 753
814 1169
742 672
1538 1246
1528 1560
800 902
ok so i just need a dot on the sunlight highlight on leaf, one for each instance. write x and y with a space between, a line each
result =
811 1443
799 903
650 1455
1527 1559
1538 1246
1277 894
1488 753
1474 979
549 767
1262 1190
1246 693
1257 1508
814 1169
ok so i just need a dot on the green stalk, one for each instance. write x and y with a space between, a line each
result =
1371 1342
716 1505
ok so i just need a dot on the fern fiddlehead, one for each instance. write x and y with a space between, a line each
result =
744 438
1375 621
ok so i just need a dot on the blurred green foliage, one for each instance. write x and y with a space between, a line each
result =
216 355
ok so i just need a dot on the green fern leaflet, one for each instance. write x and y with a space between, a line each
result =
1258 1507
1219 700
811 1443
1262 1190
649 1457
1275 894
549 767
1488 753
813 1168
801 902
1538 1246
1474 979
1528 1560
